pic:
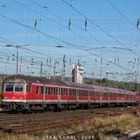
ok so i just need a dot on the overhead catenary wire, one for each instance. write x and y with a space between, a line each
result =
63 19
39 31
21 47
126 18
99 27
69 23
69 27
66 27
29 27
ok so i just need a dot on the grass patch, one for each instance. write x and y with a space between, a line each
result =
99 127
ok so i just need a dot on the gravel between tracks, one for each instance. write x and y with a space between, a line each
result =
18 123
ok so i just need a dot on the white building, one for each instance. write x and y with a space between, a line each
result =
77 73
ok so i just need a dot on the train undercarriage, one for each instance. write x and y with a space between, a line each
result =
57 107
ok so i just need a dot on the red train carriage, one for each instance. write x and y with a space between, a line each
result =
31 93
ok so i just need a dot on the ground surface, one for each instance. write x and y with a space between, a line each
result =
102 123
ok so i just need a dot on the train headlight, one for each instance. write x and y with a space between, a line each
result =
13 97
21 98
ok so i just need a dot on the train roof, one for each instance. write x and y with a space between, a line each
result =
116 90
35 79
44 80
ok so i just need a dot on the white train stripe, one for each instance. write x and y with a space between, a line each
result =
64 101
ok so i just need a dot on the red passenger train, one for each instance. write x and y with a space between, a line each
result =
27 93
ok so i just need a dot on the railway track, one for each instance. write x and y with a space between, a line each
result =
19 123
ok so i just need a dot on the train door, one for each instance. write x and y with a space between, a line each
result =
89 95
59 94
44 94
77 95
36 93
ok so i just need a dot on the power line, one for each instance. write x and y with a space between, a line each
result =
82 49
61 18
55 21
56 39
127 19
39 31
21 24
53 13
99 27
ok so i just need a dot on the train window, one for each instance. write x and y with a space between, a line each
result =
89 93
46 91
111 95
72 93
62 91
9 88
80 92
51 90
98 94
86 92
120 95
105 95
75 91
83 92
37 89
56 90
66 92
42 90
108 95
129 96
28 88
59 91
18 88
71 90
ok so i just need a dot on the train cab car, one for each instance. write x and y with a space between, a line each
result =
26 93
14 93
20 92
29 93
